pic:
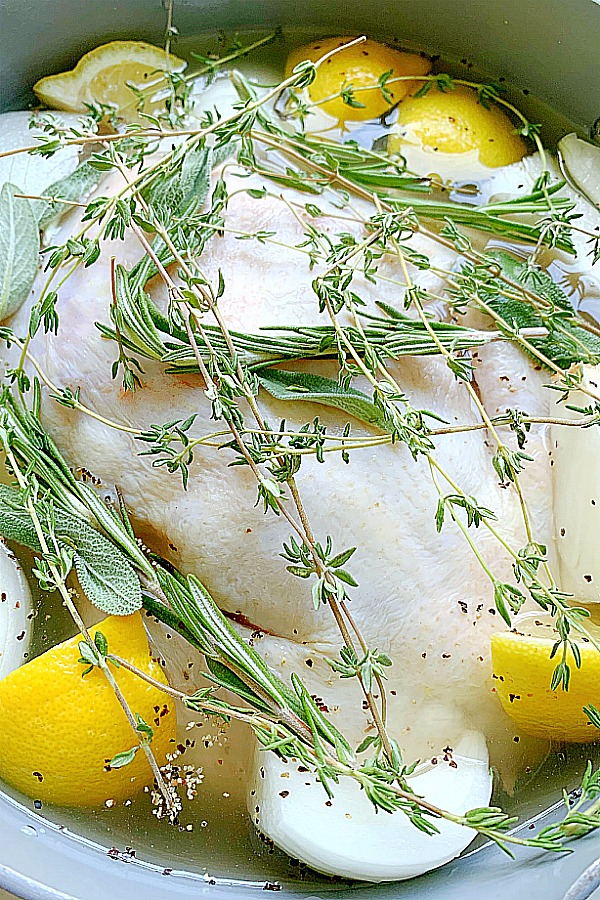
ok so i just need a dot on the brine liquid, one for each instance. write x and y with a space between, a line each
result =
215 835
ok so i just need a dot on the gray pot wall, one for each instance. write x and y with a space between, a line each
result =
548 46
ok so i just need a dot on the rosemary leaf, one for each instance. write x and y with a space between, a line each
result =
225 678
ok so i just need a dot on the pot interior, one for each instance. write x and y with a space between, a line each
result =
541 46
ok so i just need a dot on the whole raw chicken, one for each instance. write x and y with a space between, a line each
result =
423 598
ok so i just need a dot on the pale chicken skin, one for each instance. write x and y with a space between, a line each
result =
422 598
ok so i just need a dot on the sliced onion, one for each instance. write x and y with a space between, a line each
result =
576 498
581 161
345 836
15 609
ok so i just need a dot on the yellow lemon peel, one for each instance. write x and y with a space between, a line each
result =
456 122
60 730
522 677
360 66
103 75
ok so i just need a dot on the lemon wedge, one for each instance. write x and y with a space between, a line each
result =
522 676
104 74
456 122
61 730
361 67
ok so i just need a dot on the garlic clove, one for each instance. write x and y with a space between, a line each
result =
345 836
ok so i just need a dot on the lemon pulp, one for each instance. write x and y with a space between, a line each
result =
104 74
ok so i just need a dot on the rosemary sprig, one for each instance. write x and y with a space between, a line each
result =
394 337
371 173
419 442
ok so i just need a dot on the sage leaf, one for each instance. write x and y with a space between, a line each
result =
105 575
15 521
74 187
194 182
285 386
178 194
19 250
566 342
184 190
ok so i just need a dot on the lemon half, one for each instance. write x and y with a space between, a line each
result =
103 75
522 676
59 730
456 122
360 66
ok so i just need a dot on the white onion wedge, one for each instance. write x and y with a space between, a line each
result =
347 837
15 607
576 498
582 164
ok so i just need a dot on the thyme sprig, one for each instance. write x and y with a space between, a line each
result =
488 93
508 598
368 173
211 63
394 337
268 489
582 809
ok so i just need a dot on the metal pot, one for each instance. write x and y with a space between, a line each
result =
547 46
